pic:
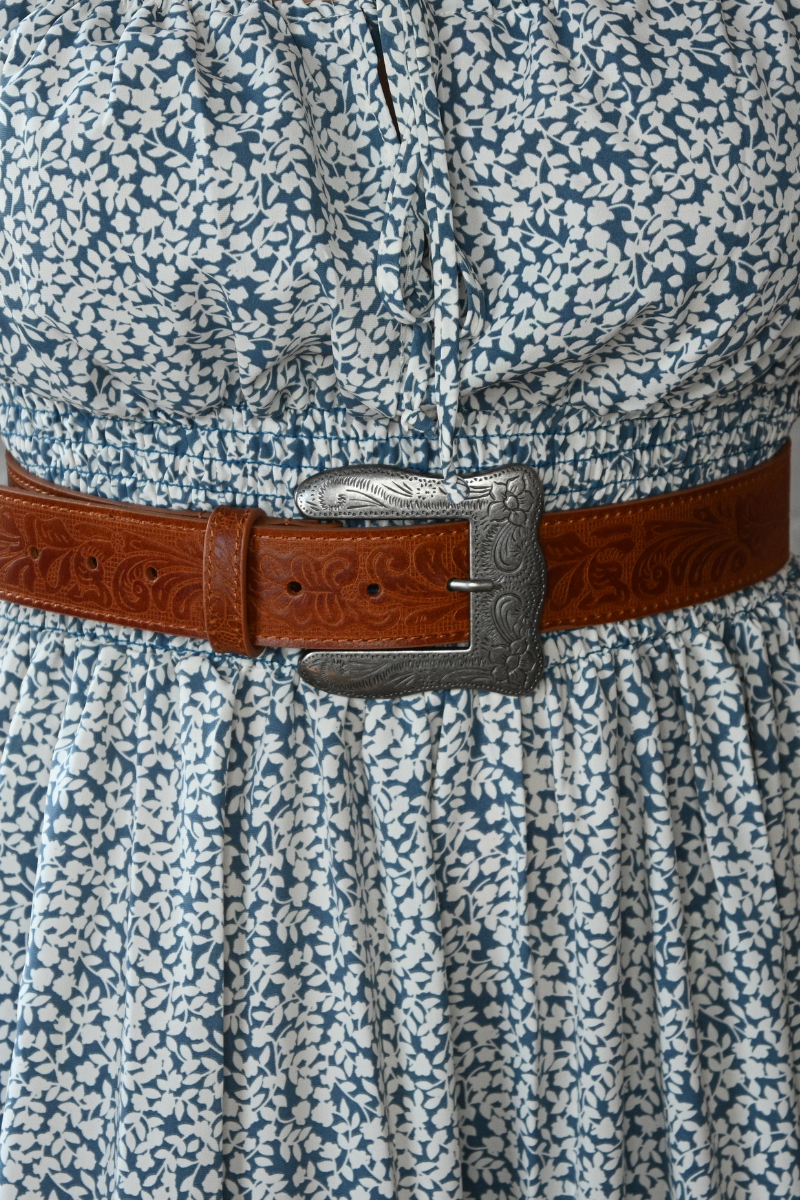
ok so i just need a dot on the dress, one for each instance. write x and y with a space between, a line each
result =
259 941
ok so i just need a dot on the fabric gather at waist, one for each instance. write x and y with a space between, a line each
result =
232 456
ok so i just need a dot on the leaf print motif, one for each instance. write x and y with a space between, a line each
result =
258 940
319 598
128 571
61 567
578 574
687 552
175 591
340 591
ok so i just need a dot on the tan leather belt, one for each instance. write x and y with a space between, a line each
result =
243 580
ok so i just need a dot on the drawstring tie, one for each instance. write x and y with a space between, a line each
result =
423 276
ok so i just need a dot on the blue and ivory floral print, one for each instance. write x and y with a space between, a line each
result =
207 204
259 941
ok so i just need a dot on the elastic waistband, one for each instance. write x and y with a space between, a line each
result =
230 456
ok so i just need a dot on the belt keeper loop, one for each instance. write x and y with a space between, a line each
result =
225 579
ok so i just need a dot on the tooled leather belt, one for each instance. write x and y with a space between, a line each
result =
473 586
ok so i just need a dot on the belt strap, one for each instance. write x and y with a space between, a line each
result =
244 580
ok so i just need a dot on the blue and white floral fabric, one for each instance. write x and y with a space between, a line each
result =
256 941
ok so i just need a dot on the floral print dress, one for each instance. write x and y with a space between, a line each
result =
259 941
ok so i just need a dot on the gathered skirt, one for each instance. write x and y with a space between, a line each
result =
257 940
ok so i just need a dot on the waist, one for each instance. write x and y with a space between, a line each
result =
475 584
230 456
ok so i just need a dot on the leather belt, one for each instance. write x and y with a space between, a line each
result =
243 580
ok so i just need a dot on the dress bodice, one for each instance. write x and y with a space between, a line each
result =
209 224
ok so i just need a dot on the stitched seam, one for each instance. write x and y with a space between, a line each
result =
163 516
56 492
90 614
208 546
241 522
647 503
406 533
332 643
556 520
243 526
667 635
239 594
609 615
17 481
85 511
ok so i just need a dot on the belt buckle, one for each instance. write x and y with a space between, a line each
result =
506 585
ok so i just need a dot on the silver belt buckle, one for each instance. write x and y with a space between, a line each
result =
506 585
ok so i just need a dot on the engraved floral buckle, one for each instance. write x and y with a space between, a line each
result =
506 585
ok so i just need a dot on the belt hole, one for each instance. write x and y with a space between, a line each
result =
151 573
293 587
373 589
33 551
91 562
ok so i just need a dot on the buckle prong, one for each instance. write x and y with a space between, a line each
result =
506 584
471 585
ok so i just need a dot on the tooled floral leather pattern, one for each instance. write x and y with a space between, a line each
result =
144 568
408 572
96 562
666 552
324 587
